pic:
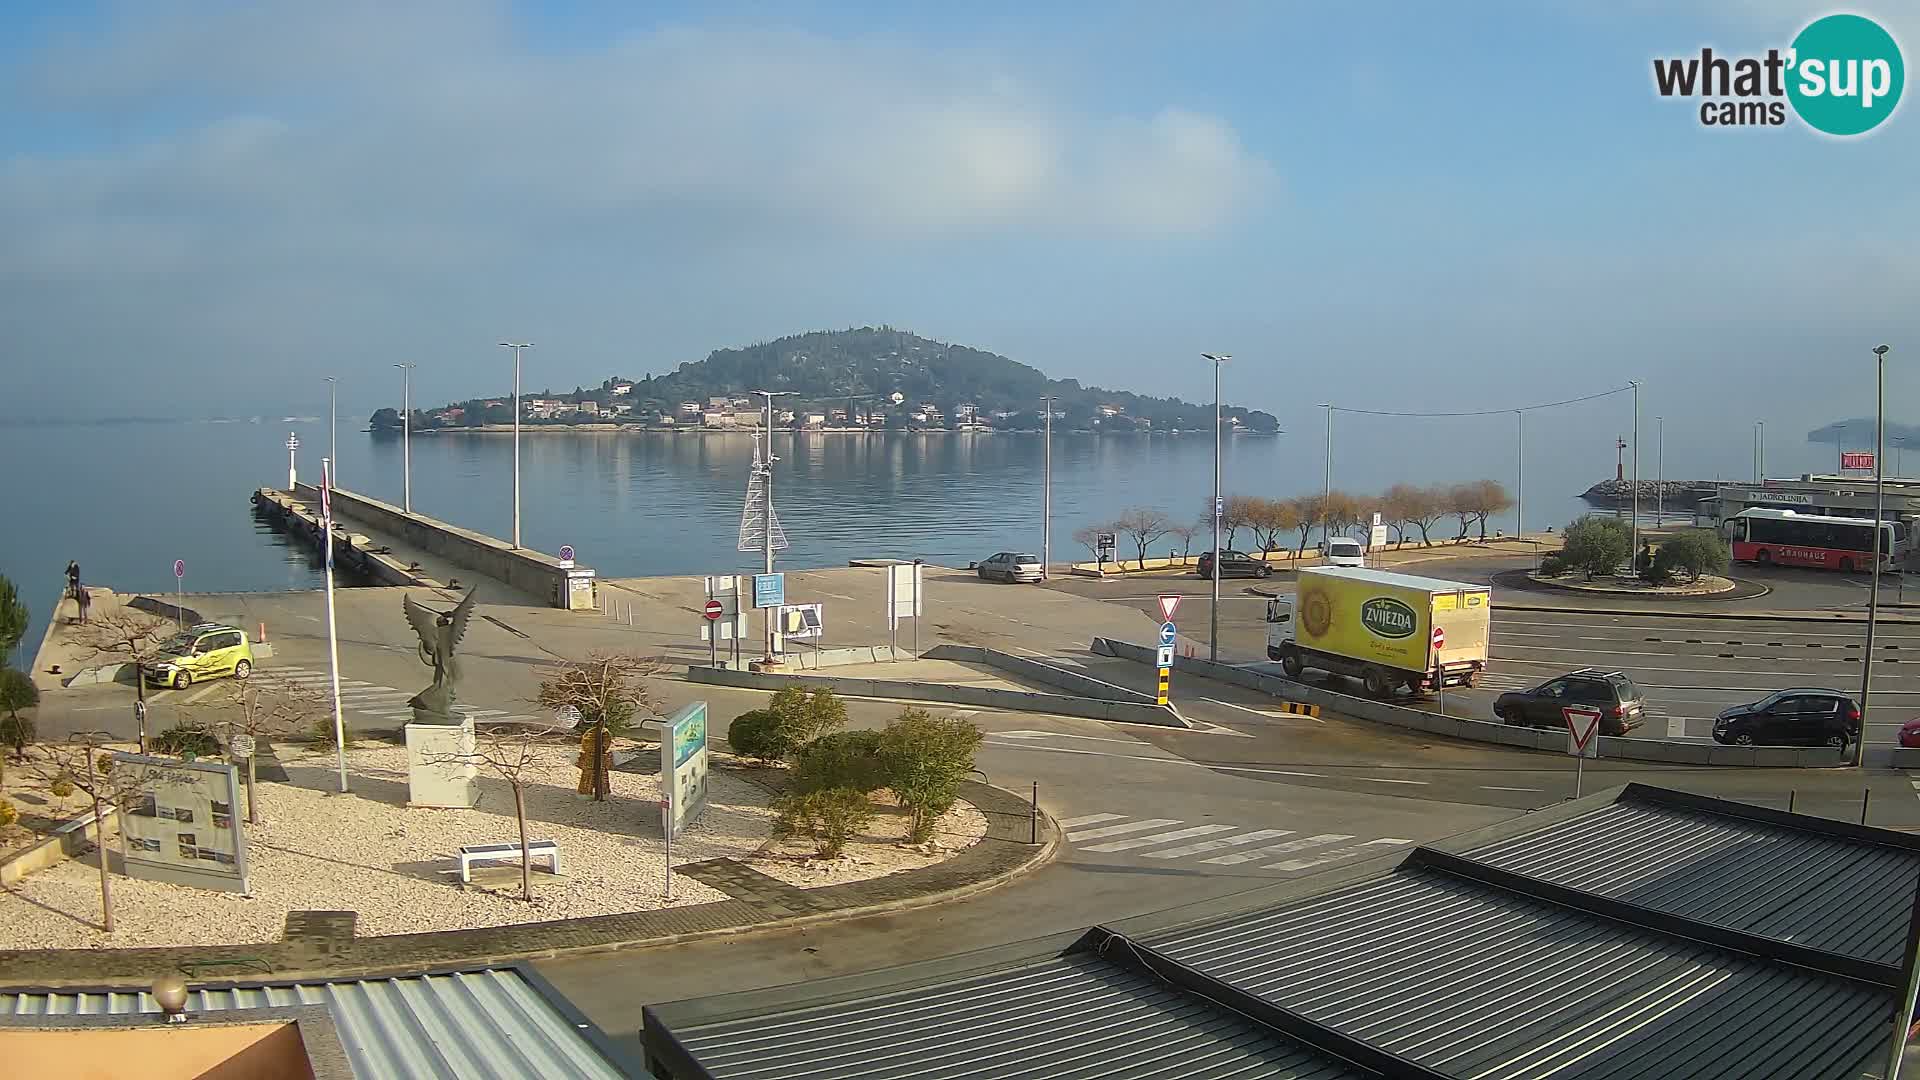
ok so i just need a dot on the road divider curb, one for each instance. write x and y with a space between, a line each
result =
1526 738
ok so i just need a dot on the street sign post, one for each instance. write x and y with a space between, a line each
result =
1439 670
1169 635
769 590
566 556
1583 739
1103 550
180 593
1169 603
1439 640
140 721
714 610
903 601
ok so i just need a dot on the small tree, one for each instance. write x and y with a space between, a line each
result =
1339 512
843 759
1596 544
1089 535
1268 517
1185 534
1307 511
923 761
1425 507
611 693
1143 526
1236 513
259 711
512 754
13 618
77 765
16 692
1481 500
132 636
1693 552
829 817
1398 506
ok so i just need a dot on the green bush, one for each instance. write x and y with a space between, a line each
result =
321 729
805 717
923 761
1691 554
192 737
758 734
1597 544
8 814
1554 565
61 787
829 818
16 692
843 759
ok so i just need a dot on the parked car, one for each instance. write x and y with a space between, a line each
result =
206 651
1010 566
1343 551
1795 717
1612 692
1234 564
1910 734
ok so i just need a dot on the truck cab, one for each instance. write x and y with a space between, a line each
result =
1279 625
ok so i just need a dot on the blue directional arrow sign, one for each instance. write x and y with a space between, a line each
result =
1168 634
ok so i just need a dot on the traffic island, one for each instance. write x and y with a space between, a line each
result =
1708 585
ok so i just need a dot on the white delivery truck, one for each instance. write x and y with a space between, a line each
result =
1380 628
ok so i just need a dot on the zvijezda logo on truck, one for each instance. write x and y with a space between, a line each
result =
1386 617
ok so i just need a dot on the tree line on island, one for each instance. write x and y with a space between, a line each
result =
1280 524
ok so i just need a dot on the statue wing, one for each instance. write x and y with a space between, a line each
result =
423 622
461 614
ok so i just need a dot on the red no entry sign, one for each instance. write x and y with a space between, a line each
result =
1439 639
713 610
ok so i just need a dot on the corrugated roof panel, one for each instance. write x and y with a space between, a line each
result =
1075 1016
472 1024
1826 892
1476 982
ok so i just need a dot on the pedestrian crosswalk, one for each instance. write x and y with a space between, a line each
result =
1220 844
370 699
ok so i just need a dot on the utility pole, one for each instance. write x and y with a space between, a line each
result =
1326 489
1636 470
1660 468
1519 474
406 436
516 434
333 427
1046 494
1879 532
1213 611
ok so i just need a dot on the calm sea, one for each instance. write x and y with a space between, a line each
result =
126 500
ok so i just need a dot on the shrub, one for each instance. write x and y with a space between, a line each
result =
1597 544
923 761
829 818
191 738
758 734
61 787
1554 565
16 692
321 730
844 759
1692 553
8 815
804 717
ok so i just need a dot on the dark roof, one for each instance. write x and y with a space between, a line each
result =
1075 1015
1640 933
1830 891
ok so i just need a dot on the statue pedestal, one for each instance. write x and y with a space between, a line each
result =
440 784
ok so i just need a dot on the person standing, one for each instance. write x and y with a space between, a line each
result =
73 589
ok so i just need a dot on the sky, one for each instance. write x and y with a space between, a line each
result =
208 208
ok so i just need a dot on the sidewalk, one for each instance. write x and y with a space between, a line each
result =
1386 558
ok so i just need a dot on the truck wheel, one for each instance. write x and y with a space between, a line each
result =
1375 681
1291 664
1273 653
1473 680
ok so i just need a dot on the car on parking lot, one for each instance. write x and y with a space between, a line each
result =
1010 566
204 651
1612 692
1801 716
1343 551
1234 564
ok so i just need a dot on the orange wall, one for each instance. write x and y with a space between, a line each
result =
195 1050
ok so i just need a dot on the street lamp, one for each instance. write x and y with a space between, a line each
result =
1213 571
1519 474
1046 493
766 520
1879 531
1660 471
1326 490
1899 455
516 433
406 436
333 428
1636 473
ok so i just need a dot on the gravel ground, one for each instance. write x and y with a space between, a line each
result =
316 849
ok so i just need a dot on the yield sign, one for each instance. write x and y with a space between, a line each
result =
1169 603
1583 729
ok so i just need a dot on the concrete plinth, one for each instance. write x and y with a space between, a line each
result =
433 781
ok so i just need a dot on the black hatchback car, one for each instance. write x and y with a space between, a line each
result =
1796 717
1234 564
1612 692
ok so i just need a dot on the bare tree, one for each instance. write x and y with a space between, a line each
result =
1397 508
134 637
248 707
1236 513
78 765
1482 499
1425 508
1262 515
1459 501
611 692
513 754
1307 512
1143 526
1089 535
1339 512
1185 534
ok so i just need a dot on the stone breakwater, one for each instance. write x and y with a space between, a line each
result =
1619 491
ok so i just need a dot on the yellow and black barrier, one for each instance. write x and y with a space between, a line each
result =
1299 708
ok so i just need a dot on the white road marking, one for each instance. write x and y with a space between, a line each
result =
1264 713
1336 855
1385 780
1253 837
1277 849
1163 838
1089 819
1120 830
1496 787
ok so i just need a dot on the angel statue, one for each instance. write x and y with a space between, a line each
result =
439 634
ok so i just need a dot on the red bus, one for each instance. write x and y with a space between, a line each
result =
1787 538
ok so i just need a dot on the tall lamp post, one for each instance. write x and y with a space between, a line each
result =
1213 570
1762 444
1660 471
516 433
766 522
1519 474
1636 472
1899 455
1327 484
333 426
1046 492
406 436
1879 531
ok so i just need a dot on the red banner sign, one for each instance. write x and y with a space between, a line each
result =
1860 460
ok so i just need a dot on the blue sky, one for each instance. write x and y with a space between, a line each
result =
214 205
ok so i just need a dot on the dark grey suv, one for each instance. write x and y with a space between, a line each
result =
1612 692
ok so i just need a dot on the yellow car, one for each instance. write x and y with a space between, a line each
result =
206 651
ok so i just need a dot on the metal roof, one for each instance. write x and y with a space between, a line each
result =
1076 1015
484 1024
1472 981
1790 884
1403 581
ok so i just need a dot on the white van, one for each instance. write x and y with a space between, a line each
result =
1343 551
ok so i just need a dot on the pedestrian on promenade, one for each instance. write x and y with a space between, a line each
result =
73 578
85 600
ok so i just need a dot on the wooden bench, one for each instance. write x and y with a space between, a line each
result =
487 853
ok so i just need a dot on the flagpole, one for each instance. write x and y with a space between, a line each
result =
333 637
